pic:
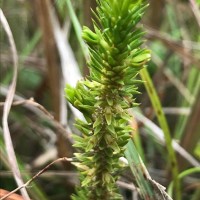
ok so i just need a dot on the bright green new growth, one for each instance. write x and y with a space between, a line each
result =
103 98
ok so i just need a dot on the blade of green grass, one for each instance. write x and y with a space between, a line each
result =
193 85
136 166
138 144
163 123
149 189
77 28
31 45
182 175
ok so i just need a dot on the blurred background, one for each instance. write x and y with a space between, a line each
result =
51 54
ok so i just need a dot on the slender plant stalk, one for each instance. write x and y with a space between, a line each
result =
77 28
182 175
163 123
105 96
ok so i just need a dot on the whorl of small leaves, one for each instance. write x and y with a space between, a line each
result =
103 98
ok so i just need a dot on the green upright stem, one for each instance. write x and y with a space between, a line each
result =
163 123
77 28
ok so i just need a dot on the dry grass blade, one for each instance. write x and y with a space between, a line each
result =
158 135
69 65
7 106
149 189
34 177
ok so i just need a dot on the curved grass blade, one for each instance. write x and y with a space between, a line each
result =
182 175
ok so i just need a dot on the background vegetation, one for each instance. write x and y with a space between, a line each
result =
51 53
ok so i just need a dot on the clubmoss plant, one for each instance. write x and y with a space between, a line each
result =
104 97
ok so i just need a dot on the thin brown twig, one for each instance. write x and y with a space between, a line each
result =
6 109
31 103
36 175
39 106
48 174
